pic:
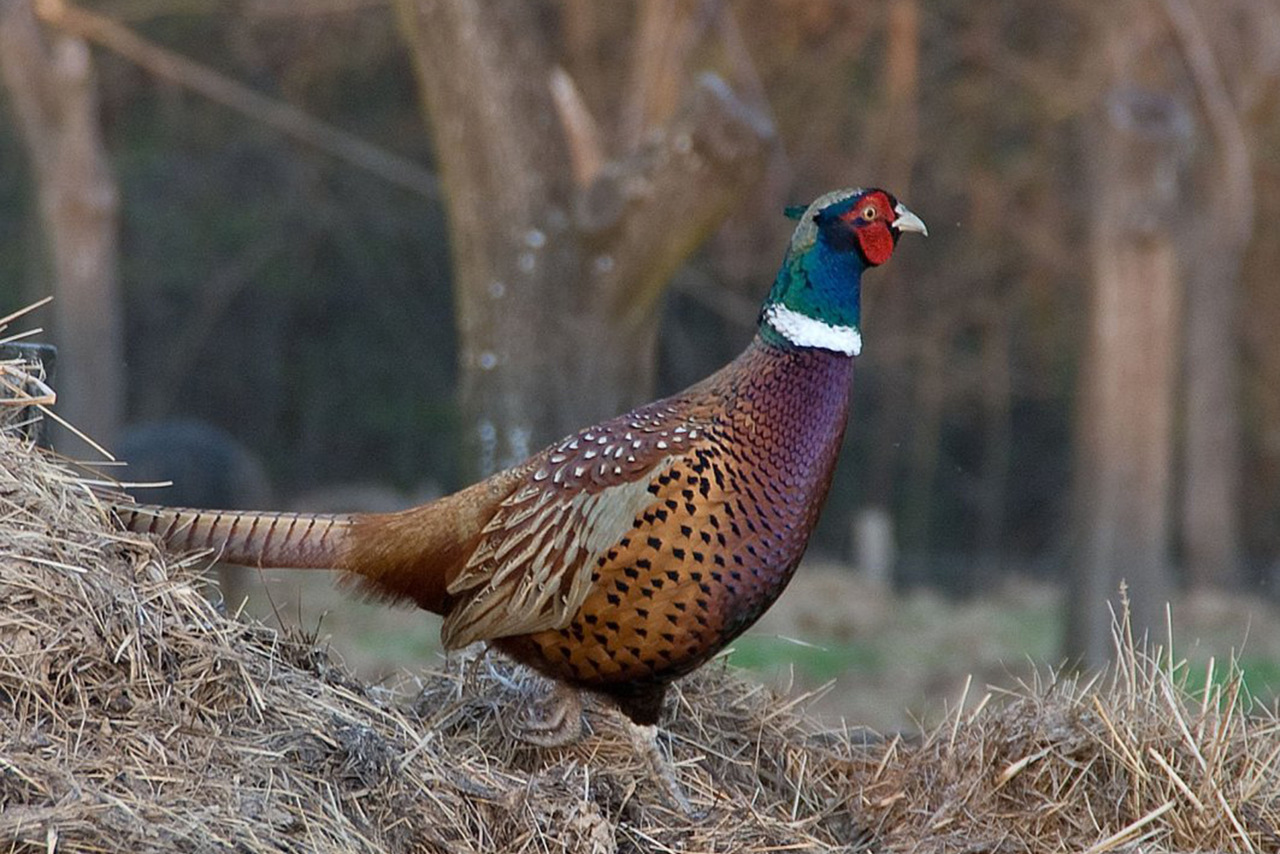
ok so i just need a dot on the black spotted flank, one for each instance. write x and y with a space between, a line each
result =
727 473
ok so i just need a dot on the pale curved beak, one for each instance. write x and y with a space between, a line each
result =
907 221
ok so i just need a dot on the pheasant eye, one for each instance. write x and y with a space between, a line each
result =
869 212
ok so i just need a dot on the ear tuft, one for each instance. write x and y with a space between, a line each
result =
795 211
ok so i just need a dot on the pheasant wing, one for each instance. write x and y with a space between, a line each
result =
531 569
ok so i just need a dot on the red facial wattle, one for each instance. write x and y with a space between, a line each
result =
870 219
876 241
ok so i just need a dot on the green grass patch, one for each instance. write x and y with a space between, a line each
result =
1259 674
766 653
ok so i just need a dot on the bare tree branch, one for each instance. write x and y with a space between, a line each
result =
285 118
668 32
586 150
746 80
1237 169
685 174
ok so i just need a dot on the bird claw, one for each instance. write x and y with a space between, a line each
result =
554 722
661 768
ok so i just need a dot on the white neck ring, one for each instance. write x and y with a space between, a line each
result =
805 331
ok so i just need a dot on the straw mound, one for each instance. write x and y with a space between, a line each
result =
1095 767
133 716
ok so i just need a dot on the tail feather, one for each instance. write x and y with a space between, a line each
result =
411 555
295 540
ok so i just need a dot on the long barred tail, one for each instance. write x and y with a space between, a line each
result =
296 540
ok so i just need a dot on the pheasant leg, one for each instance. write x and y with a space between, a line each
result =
645 740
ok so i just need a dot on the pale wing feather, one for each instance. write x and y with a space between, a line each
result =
531 569
538 573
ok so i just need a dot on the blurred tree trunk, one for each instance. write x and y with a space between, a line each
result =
901 93
1124 445
1214 258
560 250
51 84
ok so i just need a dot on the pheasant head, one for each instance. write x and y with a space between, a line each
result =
816 298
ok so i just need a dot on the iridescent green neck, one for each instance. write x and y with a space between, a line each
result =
816 298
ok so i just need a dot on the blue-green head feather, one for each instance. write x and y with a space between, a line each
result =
816 298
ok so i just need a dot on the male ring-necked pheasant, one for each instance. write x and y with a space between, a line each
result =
629 553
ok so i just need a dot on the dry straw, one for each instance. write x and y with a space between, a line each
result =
1127 761
136 717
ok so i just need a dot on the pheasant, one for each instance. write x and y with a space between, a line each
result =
629 553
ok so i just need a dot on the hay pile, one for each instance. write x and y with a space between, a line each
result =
135 717
1132 762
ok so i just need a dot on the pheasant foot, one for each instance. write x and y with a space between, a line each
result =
554 721
645 740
